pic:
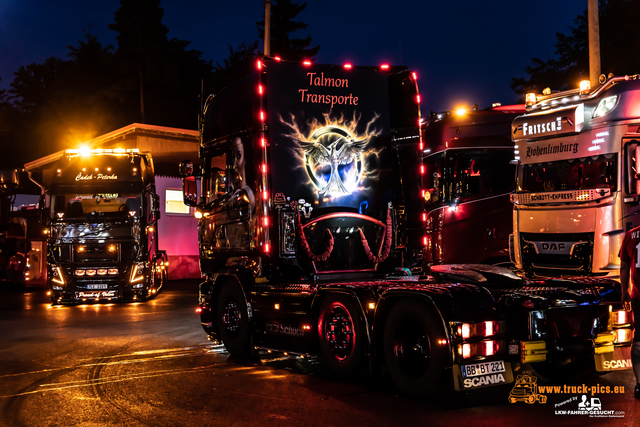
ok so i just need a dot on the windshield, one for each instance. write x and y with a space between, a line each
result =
571 174
81 206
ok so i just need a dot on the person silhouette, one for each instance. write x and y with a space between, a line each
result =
585 403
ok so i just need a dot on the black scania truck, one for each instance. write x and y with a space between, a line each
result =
101 212
310 224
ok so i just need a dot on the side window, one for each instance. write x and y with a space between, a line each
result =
477 174
434 182
215 183
174 203
630 166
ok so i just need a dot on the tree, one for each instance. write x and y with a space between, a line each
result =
161 75
240 63
282 25
619 39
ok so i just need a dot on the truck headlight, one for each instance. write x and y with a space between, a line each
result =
137 273
605 106
57 276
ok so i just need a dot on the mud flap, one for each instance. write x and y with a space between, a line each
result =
617 360
465 384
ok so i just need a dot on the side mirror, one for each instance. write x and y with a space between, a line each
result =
43 211
156 206
190 190
186 168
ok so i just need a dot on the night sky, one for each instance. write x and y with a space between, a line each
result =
464 51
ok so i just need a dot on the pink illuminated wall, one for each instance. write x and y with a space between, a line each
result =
177 234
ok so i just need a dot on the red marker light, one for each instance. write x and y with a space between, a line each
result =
266 221
266 247
199 310
348 66
264 168
259 65
307 63
421 145
262 116
489 349
422 169
261 90
262 142
417 98
265 195
415 76
424 241
384 67
277 58
424 216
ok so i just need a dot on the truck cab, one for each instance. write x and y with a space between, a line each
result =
309 202
468 177
101 212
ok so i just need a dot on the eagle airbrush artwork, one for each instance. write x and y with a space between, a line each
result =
334 153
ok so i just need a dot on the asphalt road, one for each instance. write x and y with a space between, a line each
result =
150 364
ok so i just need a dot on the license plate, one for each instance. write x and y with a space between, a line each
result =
98 286
97 294
486 368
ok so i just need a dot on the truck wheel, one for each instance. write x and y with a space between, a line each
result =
578 368
411 351
232 318
341 335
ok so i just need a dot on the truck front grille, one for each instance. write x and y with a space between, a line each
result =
546 254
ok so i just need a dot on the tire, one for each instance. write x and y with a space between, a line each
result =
576 369
232 318
341 335
413 357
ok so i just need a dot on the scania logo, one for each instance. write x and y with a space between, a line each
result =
617 364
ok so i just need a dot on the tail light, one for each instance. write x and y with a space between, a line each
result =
483 348
482 329
623 336
621 318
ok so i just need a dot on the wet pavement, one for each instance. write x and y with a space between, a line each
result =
150 364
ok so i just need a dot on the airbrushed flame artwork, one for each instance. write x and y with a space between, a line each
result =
334 153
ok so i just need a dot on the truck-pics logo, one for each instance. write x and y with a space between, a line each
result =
334 153
526 390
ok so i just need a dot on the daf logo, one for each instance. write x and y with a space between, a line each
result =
553 246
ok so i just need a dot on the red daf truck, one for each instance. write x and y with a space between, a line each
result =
310 223
468 177
101 212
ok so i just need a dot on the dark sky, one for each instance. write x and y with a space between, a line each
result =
464 51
